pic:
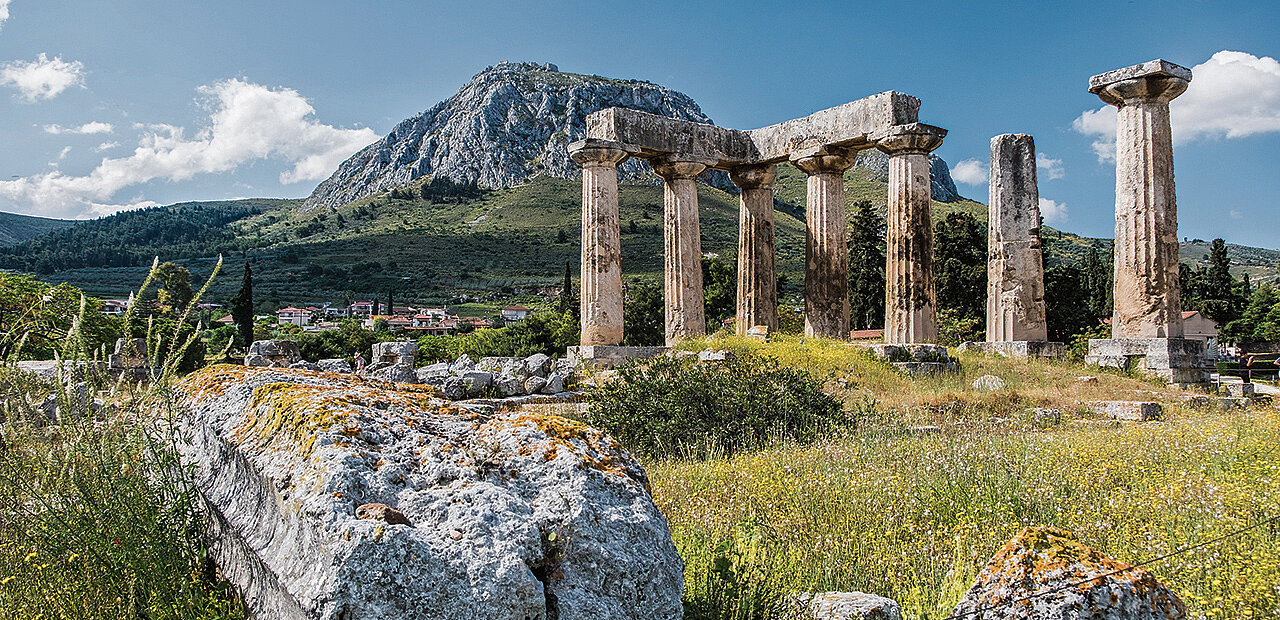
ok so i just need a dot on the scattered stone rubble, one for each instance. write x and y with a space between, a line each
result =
1045 573
333 496
839 606
273 353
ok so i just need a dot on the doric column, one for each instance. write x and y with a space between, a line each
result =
601 274
1015 268
682 248
757 279
910 294
826 270
1147 303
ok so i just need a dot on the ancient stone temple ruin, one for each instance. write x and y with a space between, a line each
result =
1146 324
823 145
1016 325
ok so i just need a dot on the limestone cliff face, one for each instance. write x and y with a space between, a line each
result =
943 190
512 122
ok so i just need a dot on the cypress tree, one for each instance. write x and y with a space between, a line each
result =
391 309
866 267
242 308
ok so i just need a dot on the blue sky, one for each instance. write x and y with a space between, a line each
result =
106 106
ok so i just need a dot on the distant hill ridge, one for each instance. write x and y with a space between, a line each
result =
514 121
16 228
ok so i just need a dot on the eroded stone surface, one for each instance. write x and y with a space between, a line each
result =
1015 269
826 265
910 293
601 270
1039 560
840 606
513 516
682 249
757 299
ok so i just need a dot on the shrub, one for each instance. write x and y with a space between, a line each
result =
677 407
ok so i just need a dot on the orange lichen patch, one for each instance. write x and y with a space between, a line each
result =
590 446
288 416
212 381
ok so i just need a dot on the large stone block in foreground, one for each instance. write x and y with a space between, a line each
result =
508 516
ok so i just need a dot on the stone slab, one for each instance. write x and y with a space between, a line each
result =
1021 348
1176 360
609 356
1128 410
1157 67
918 353
1238 390
850 124
920 369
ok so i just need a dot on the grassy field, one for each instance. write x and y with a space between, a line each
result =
914 516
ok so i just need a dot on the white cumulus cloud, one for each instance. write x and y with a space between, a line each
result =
1050 167
248 122
90 128
42 78
1052 211
4 12
970 172
106 146
1231 95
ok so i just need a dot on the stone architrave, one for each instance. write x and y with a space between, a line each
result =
1147 302
910 292
757 279
682 253
1015 268
826 270
1146 322
601 273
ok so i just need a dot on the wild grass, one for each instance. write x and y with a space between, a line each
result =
98 518
915 516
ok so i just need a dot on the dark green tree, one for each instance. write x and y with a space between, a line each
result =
242 308
1219 296
1064 290
960 265
719 285
1260 321
391 308
567 302
1096 281
642 315
866 267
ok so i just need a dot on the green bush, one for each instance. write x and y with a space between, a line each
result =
678 407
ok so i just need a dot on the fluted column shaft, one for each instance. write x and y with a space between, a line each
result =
601 273
826 273
910 293
757 300
1015 267
1147 299
682 249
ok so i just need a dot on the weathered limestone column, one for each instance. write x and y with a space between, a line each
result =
1147 302
757 279
682 248
601 272
1015 268
1146 321
826 269
910 293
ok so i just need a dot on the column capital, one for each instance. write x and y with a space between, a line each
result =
596 152
673 167
913 138
755 176
1154 80
824 159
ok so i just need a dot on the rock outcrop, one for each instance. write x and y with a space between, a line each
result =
514 121
1045 573
332 496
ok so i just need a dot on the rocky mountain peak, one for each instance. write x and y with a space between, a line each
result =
512 122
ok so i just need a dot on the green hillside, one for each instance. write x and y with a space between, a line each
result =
16 228
428 250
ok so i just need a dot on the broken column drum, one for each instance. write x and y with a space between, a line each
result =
910 293
601 273
826 264
757 301
682 249
1015 271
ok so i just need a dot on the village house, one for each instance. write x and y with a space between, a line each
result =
294 316
114 307
515 314
1196 326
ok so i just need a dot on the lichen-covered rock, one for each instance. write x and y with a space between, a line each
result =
305 365
511 516
476 381
1043 559
555 384
538 365
451 387
395 352
462 364
840 606
508 385
335 365
272 353
534 384
398 372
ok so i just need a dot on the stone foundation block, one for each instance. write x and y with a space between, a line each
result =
1021 348
1176 360
1132 411
610 356
1238 390
920 353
